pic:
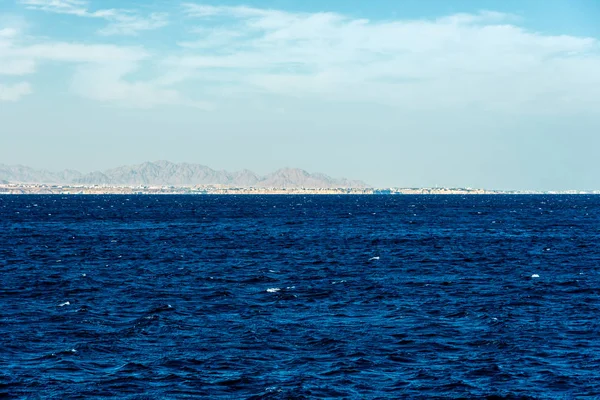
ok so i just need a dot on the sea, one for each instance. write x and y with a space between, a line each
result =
300 297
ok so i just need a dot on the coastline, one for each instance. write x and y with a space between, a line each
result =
48 189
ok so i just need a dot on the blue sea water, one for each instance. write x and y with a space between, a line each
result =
299 297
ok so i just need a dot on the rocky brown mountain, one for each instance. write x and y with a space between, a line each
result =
161 173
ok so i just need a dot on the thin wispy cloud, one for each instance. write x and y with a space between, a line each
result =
6 33
14 92
73 7
121 22
203 10
129 24
17 67
101 72
455 61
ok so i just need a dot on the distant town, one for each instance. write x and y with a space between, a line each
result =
165 177
18 188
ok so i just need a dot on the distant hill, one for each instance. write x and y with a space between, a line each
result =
293 177
22 174
162 173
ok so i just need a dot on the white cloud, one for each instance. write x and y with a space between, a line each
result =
17 67
121 22
477 61
464 60
7 33
127 24
102 72
202 10
74 7
211 38
109 85
15 91
81 53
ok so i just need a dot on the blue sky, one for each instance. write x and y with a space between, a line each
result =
495 94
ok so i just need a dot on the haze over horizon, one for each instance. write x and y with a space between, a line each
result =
492 94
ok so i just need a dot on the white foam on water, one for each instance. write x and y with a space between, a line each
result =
66 303
535 276
373 258
273 290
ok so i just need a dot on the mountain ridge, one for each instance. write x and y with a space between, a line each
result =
166 173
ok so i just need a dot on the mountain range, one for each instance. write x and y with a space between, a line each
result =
165 173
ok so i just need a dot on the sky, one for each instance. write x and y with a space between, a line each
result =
497 94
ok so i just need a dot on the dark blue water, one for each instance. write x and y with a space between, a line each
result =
293 297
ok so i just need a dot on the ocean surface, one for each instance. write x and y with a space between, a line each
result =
300 297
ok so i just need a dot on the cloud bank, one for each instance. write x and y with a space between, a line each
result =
478 60
486 61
